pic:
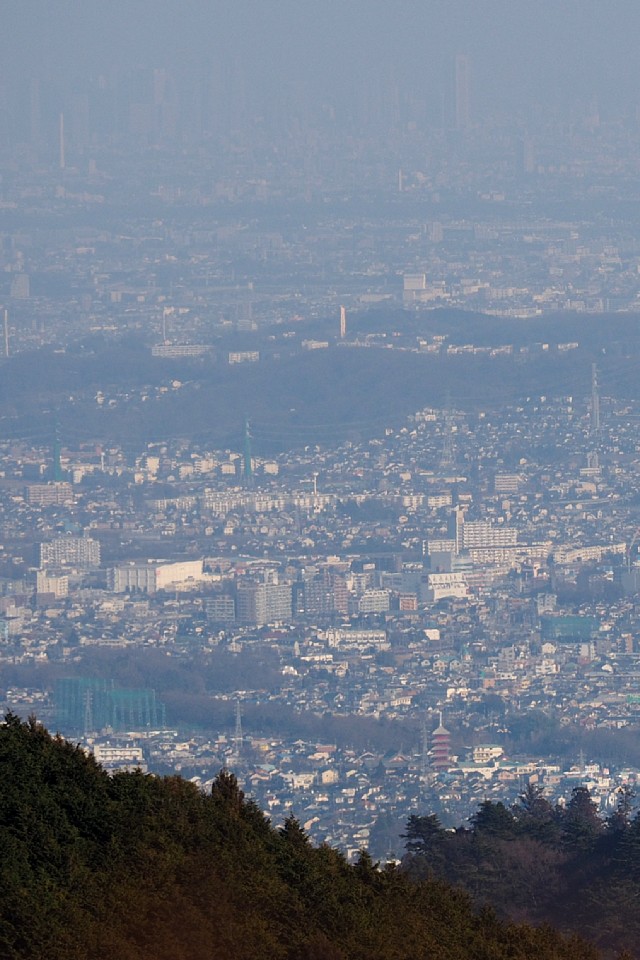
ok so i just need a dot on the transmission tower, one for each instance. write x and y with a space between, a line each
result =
238 735
595 402
446 455
248 467
88 711
424 766
582 762
57 465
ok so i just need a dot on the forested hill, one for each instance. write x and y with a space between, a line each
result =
136 867
539 863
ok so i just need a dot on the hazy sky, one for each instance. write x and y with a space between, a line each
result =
548 50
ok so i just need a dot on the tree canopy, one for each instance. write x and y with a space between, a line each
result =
139 867
533 862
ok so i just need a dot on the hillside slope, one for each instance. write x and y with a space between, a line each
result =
136 867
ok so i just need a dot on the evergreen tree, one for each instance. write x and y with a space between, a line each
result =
618 821
494 819
579 821
423 834
138 867
535 815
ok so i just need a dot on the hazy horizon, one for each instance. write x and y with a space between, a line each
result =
554 54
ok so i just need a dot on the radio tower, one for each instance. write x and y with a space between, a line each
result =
238 735
595 402
248 468
446 456
424 766
88 712
57 464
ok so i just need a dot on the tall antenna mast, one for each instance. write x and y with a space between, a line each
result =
57 464
595 401
238 735
88 712
446 456
248 468
6 332
425 750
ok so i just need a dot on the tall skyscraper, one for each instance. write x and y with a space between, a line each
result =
20 286
462 91
527 156
35 117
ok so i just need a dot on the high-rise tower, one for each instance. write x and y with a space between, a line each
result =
35 112
527 156
462 91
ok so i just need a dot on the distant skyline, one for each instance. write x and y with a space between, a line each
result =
552 53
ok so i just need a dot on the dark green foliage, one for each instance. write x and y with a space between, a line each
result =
535 816
618 821
137 867
423 834
332 388
580 822
493 819
539 864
